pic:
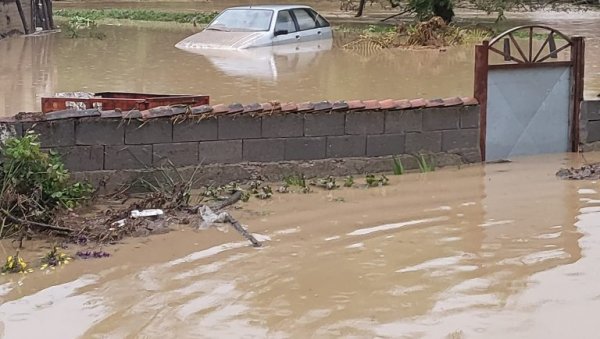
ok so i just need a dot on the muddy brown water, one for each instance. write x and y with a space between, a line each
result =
143 59
477 252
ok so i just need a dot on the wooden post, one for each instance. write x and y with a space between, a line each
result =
22 15
46 21
578 65
33 16
481 87
49 9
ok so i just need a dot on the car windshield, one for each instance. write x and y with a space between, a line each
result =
242 20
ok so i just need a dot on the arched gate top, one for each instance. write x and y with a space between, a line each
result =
529 54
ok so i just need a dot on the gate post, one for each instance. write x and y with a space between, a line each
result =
480 88
578 60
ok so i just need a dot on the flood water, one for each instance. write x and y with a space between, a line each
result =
143 59
477 252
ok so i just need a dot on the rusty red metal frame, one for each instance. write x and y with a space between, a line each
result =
578 59
122 101
521 59
482 67
480 87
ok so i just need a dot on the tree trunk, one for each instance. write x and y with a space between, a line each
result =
361 7
443 9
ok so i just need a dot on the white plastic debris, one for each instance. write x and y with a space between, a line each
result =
147 213
209 218
119 223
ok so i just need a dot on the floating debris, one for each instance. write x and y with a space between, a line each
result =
586 172
145 213
264 192
92 254
372 181
327 183
54 258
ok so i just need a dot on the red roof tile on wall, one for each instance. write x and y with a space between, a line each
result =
260 109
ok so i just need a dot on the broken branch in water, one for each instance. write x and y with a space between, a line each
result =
238 227
34 223
234 198
209 218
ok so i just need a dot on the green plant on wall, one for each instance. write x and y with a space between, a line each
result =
426 164
397 166
34 184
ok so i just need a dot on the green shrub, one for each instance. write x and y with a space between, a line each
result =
138 14
34 183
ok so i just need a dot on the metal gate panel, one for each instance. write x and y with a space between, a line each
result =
527 111
529 92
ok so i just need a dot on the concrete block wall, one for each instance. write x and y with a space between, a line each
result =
103 142
589 127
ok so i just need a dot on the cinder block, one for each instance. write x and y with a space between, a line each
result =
324 124
308 148
53 133
469 116
153 131
424 141
264 150
127 157
593 131
346 146
180 154
282 126
460 139
470 156
82 158
99 132
220 152
441 118
404 121
365 122
239 127
590 110
10 129
385 144
194 130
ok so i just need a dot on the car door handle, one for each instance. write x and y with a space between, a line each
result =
319 32
297 36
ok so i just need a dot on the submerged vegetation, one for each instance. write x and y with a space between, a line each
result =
397 166
432 33
137 14
78 26
426 164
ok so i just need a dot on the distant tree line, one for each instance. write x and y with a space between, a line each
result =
425 9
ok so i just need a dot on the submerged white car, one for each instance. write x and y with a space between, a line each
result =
260 26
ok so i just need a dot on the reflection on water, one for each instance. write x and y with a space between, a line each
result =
483 251
268 63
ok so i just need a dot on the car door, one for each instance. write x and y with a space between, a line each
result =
308 26
285 30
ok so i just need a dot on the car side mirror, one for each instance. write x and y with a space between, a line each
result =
281 32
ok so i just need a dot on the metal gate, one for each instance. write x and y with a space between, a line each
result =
529 87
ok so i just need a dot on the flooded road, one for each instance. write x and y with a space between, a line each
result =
476 252
143 59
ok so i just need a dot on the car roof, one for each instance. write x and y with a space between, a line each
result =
272 7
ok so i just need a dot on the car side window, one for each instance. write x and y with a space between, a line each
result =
285 22
304 19
321 22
